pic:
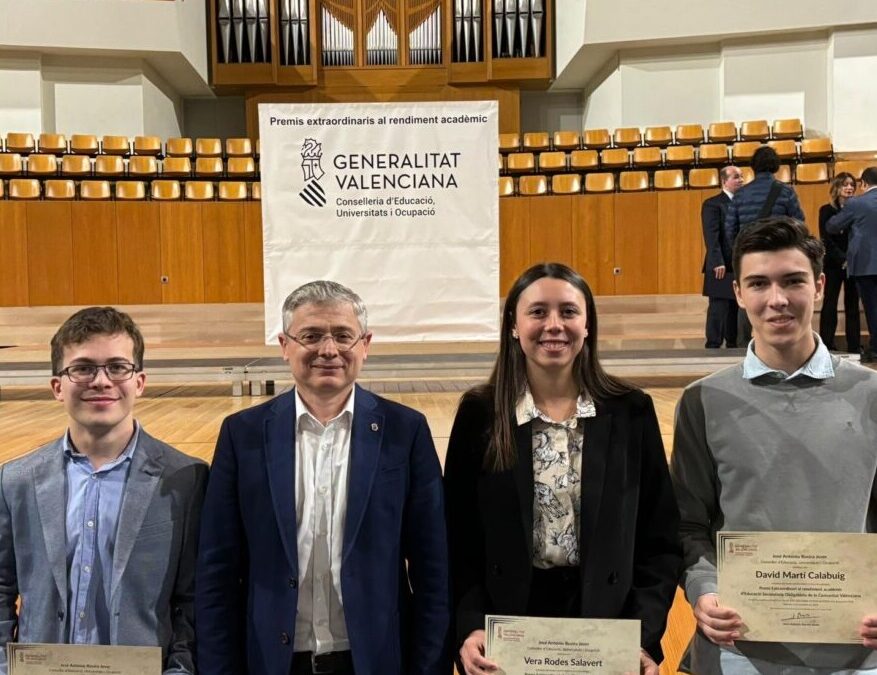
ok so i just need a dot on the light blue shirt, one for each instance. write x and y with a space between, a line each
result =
817 367
94 500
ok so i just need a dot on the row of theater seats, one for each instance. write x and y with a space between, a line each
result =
129 190
663 136
651 157
43 165
150 146
639 181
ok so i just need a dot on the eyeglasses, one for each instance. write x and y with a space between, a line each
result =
83 373
344 340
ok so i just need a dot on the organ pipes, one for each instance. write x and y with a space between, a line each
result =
425 39
244 31
381 42
294 33
518 28
337 41
467 36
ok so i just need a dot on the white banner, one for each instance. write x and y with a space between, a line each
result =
398 201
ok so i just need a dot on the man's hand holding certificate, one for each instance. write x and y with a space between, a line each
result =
799 587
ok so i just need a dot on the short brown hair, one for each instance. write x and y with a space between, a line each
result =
778 233
91 321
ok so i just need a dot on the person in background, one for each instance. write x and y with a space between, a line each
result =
718 274
859 216
764 196
842 188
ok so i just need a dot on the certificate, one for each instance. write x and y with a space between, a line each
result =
38 659
522 645
797 586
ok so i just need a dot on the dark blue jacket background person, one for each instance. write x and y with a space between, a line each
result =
749 200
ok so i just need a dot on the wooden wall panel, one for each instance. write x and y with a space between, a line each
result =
636 243
182 247
811 198
514 240
593 241
253 256
680 242
49 248
138 242
13 254
551 229
60 253
224 252
95 253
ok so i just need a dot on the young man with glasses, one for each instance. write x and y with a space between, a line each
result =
98 528
323 545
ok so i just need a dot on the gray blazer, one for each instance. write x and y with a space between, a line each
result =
859 216
153 578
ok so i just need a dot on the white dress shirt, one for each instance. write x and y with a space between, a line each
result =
321 475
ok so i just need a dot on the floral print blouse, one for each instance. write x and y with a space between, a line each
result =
557 475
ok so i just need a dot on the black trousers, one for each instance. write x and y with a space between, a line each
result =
835 279
334 663
744 328
721 323
868 293
555 592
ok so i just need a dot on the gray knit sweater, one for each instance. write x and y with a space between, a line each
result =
767 454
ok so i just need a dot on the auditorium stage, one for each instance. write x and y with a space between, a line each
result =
656 341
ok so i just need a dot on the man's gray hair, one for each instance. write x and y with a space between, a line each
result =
324 293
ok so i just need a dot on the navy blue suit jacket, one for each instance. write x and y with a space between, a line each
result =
247 573
712 215
859 216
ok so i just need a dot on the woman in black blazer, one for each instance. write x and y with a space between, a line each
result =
835 267
558 495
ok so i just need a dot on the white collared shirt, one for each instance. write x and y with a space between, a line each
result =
322 456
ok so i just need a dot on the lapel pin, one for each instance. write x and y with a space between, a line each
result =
374 426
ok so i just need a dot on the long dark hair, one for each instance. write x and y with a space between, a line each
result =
509 376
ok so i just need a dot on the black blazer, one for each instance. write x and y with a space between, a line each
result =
718 251
630 551
835 244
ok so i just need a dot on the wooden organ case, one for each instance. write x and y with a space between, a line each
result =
381 50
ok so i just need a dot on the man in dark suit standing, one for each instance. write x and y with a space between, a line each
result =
323 542
718 275
859 215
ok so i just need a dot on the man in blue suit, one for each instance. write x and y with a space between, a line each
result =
859 216
323 546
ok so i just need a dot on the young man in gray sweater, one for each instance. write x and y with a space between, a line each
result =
784 441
